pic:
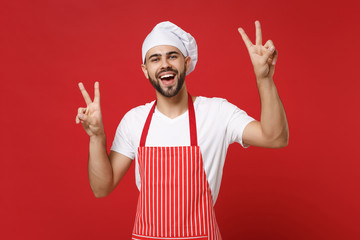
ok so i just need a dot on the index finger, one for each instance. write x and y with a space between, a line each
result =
245 38
84 93
97 92
258 33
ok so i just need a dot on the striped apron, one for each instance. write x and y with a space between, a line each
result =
175 200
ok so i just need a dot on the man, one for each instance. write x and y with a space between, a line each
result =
180 141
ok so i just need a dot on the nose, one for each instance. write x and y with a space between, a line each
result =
165 63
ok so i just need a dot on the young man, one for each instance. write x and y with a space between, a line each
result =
180 141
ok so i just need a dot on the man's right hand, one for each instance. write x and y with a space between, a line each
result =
91 117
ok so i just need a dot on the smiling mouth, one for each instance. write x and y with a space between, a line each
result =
167 77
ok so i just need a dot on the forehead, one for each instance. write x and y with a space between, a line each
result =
162 50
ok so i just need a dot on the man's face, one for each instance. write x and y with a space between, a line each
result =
166 68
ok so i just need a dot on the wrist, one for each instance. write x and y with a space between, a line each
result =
263 79
98 137
265 82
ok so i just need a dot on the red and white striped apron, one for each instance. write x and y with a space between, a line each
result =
175 200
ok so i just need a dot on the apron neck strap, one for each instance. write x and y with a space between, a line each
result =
192 123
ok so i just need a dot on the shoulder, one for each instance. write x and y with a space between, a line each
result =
135 117
138 112
214 103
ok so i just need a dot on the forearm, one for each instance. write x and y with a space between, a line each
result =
273 118
99 167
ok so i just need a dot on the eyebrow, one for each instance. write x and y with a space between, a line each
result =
159 55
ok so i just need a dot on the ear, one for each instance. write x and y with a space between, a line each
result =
143 67
187 63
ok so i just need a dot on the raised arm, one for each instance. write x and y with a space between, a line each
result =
105 171
272 130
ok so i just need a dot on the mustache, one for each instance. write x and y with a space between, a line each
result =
169 69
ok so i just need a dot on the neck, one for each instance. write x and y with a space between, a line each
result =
173 107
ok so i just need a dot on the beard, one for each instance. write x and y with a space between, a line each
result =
170 91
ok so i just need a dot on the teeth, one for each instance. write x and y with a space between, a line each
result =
167 75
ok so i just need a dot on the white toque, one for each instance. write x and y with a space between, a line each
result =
167 33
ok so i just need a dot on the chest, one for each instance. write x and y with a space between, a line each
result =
169 132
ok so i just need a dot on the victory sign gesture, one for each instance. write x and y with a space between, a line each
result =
91 117
263 57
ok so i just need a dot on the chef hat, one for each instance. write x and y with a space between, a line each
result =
167 33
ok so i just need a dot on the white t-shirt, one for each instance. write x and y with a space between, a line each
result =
218 122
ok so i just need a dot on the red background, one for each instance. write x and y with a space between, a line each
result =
308 190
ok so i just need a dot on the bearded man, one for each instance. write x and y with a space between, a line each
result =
178 141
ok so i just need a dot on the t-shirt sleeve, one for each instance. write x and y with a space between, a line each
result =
122 143
239 119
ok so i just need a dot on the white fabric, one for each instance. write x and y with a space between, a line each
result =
219 123
167 33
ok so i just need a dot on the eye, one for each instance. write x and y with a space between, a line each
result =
154 59
173 57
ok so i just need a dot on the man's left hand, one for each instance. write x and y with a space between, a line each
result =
263 57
